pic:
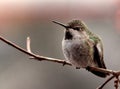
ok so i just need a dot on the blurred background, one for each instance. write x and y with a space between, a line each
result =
22 18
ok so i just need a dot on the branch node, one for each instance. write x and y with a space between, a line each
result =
64 63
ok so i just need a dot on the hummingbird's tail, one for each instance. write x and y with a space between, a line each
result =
98 73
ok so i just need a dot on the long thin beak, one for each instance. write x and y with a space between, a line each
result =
60 24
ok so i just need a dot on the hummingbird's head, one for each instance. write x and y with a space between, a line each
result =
73 28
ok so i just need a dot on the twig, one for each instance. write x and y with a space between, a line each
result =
40 58
28 45
37 57
115 74
101 86
28 42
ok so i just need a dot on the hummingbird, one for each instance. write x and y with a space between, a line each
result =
81 47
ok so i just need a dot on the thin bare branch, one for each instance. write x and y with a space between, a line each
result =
101 86
37 57
40 58
28 45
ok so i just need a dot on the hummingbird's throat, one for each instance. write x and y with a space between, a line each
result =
68 35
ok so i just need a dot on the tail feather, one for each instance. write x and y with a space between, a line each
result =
100 74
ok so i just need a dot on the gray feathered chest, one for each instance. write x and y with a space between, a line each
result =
78 52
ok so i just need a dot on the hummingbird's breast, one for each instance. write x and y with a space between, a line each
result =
78 51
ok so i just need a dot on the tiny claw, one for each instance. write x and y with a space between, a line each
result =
64 63
77 67
88 68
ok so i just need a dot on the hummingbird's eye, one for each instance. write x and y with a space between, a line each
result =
77 28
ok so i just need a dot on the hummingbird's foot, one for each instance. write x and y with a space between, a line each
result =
77 67
88 68
64 63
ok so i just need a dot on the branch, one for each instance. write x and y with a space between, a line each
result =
37 57
101 86
40 58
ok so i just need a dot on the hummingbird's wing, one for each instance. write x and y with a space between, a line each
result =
98 59
98 55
